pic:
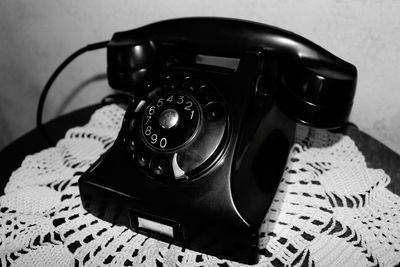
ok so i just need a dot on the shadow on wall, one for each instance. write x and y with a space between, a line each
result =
77 93
66 103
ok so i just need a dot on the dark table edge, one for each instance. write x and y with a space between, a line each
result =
377 155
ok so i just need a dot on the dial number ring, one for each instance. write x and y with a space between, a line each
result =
185 115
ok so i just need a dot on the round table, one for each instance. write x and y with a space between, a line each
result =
377 155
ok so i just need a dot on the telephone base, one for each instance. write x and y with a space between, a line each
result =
195 231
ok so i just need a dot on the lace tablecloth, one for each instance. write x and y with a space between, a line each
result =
329 210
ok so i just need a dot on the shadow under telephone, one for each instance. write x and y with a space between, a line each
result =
203 145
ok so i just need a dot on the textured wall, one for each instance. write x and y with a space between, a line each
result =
35 36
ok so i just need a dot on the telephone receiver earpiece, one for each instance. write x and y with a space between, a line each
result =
314 94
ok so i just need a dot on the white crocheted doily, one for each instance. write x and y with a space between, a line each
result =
330 209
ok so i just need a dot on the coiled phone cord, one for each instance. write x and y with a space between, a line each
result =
50 81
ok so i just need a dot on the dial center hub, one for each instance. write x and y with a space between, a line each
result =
169 118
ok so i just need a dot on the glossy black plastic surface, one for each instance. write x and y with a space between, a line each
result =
202 148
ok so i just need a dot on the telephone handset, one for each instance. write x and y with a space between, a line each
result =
203 145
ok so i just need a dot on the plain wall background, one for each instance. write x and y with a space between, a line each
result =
35 36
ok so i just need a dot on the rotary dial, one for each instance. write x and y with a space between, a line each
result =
170 121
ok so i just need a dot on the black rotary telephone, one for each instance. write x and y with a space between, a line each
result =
204 143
